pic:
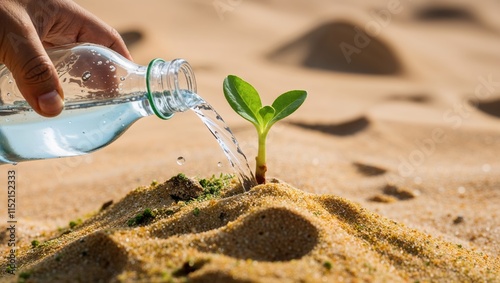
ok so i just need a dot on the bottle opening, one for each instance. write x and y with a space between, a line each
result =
171 87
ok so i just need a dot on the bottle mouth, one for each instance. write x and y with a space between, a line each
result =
171 87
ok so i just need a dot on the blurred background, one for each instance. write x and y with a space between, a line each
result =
381 76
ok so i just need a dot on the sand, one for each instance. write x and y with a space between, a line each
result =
273 233
390 169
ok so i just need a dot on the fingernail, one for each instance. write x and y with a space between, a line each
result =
51 103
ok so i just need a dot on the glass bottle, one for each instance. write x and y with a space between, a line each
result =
104 94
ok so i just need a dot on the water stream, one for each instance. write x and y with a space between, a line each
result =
227 142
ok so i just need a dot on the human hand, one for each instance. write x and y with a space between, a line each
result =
27 27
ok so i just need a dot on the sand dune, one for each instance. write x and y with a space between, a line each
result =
333 46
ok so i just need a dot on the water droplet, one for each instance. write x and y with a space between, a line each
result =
69 122
10 81
122 79
461 190
112 68
219 164
99 62
86 76
181 160
107 61
8 93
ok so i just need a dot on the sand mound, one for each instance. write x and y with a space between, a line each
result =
132 37
458 14
369 170
341 47
439 12
272 233
418 98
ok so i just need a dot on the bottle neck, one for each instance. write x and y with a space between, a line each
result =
171 87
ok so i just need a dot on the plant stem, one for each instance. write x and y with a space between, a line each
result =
260 166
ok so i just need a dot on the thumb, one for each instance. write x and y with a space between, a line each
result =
36 78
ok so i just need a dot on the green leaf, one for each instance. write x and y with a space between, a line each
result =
267 114
287 103
243 98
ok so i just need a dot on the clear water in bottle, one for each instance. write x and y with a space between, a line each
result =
79 129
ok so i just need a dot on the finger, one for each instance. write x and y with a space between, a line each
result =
37 80
31 68
94 30
72 24
117 44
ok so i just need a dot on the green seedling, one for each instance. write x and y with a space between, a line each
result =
245 101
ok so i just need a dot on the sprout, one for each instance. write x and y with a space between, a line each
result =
245 101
